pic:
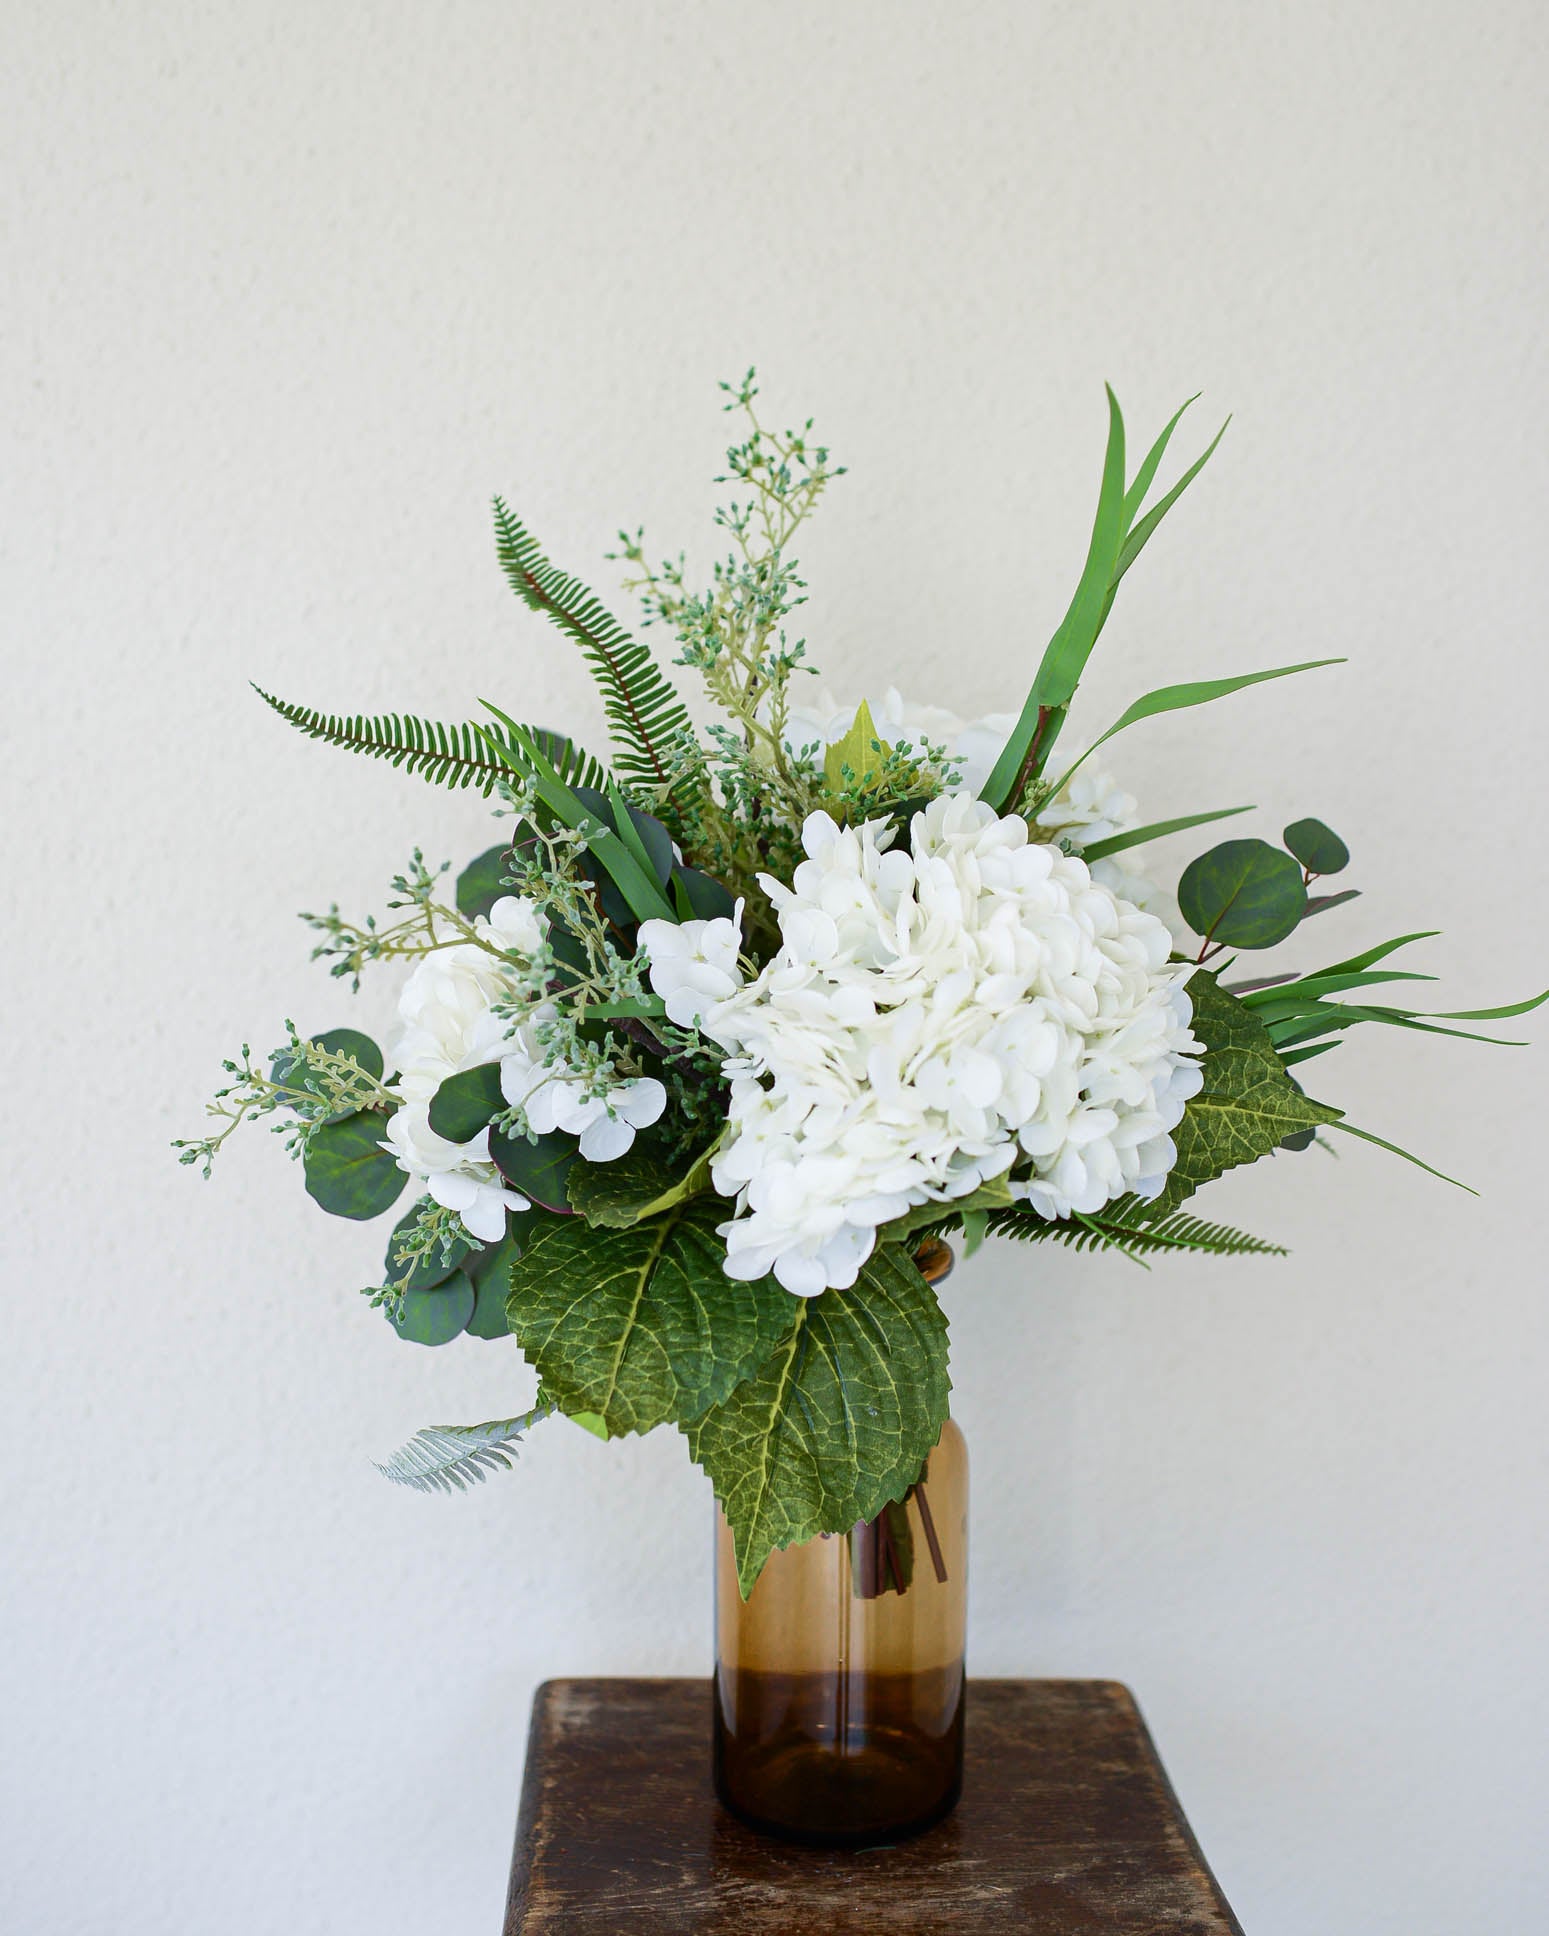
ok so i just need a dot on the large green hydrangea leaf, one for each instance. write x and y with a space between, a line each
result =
1248 1106
838 1422
642 1325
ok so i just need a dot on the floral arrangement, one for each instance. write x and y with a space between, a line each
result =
696 1057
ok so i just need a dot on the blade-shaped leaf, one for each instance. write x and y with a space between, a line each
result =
838 1422
1366 1136
1067 652
1199 692
1157 830
641 1325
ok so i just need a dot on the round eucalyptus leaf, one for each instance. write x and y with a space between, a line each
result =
288 1070
464 1103
482 882
437 1316
1244 893
492 1286
539 1170
429 1271
348 1172
1318 848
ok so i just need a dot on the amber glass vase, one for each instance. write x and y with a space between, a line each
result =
839 1681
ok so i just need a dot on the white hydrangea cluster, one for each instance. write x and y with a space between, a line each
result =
1091 807
449 1023
936 1016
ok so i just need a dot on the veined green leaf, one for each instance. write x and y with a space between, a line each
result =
641 1325
640 1184
1158 830
1243 893
1067 652
838 1422
862 749
1248 1105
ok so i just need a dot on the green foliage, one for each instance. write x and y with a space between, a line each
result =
1157 830
1171 699
1318 848
483 881
450 1458
1243 894
1119 534
649 723
451 756
315 1081
297 1068
652 1176
641 1325
538 1166
434 1316
348 1173
1248 1105
838 1422
427 1245
490 1270
466 1102
1111 1229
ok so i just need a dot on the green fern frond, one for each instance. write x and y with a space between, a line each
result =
644 710
450 1458
1180 1231
452 756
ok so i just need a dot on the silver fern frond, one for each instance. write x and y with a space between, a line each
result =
450 1458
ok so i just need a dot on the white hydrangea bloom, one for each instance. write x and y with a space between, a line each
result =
448 1024
447 1012
553 1098
693 963
1090 808
933 1017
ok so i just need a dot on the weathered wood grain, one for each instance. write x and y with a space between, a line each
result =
1067 1827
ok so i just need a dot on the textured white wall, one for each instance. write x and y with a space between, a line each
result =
290 291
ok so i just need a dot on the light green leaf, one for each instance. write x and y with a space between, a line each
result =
838 1422
1248 1105
641 1325
863 750
1158 830
1137 538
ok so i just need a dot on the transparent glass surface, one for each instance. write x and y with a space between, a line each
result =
839 1681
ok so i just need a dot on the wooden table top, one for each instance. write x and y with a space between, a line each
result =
1067 1827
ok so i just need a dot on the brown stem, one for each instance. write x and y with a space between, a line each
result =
928 1525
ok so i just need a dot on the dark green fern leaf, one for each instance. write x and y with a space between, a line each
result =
1180 1231
451 756
450 1458
647 717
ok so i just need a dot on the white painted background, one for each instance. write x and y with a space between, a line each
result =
289 291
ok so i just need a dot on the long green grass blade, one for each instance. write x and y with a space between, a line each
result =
1366 1136
1135 541
1200 692
1067 652
1158 830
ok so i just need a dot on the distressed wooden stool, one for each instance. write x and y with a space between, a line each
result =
1067 1827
